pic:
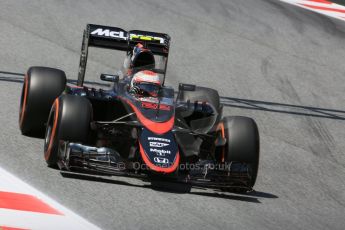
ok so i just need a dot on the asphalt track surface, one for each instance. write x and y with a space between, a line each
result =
282 65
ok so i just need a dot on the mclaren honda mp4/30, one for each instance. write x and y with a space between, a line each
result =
139 126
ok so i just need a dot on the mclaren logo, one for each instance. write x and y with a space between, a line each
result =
109 33
123 35
158 144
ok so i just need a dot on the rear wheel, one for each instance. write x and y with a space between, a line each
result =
69 120
242 143
42 85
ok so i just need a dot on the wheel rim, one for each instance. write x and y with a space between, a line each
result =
23 100
49 130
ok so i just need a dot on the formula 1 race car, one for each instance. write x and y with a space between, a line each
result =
139 127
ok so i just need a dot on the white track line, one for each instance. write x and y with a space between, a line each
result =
321 6
15 218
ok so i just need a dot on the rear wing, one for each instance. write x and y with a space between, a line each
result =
118 39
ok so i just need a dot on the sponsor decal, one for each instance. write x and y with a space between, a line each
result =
109 33
121 34
161 160
149 99
146 38
158 139
158 144
160 152
148 105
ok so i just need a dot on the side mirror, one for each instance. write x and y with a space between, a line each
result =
186 87
109 77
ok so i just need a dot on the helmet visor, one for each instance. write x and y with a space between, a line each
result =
149 89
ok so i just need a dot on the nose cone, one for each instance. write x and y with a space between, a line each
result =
159 152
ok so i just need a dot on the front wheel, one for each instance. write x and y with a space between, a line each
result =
242 143
69 120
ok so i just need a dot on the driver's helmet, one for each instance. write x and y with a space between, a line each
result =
142 57
145 83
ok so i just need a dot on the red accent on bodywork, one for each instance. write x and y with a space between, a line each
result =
164 107
155 127
25 202
155 168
